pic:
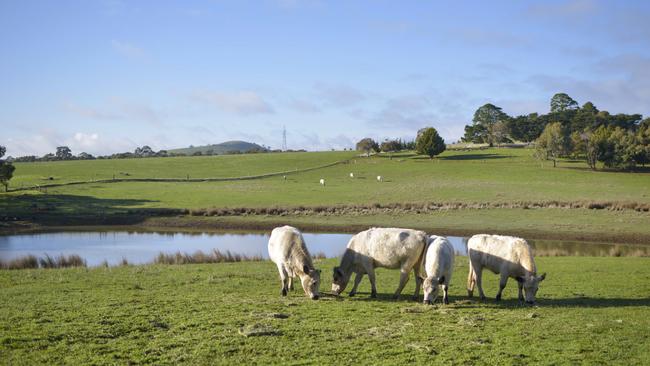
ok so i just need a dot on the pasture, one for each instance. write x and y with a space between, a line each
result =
506 177
590 310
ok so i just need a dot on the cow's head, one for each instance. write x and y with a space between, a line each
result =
311 282
430 286
340 279
531 285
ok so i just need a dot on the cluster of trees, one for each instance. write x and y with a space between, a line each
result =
427 142
618 141
368 145
614 146
493 126
6 169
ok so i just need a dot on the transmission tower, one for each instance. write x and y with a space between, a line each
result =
284 138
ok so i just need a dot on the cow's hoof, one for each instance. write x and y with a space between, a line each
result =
283 292
351 294
483 298
446 301
498 298
470 294
373 295
395 297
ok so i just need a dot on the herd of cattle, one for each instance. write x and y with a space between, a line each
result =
431 258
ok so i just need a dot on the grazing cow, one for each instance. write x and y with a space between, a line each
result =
438 265
381 247
379 178
322 182
288 251
505 255
351 175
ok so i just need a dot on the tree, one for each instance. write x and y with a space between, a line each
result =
429 143
6 169
367 145
552 143
579 144
597 146
642 150
390 146
85 156
500 132
144 152
562 102
623 145
487 117
63 153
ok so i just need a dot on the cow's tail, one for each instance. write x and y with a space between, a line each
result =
421 272
471 280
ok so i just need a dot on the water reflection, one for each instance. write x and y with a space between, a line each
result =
142 247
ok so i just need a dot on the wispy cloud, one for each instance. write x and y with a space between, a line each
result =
129 50
240 102
339 95
567 9
117 110
303 106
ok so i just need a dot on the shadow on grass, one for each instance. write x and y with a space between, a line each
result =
473 157
71 209
474 302
639 169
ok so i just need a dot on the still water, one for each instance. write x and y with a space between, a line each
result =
142 247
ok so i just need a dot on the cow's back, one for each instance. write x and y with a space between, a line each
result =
439 255
495 251
389 247
283 242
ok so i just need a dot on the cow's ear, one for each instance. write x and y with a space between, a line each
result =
542 277
441 280
305 268
519 279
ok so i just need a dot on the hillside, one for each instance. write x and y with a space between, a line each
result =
220 149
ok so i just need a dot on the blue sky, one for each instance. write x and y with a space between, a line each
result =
107 76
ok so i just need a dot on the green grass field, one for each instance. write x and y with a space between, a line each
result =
477 176
501 175
590 311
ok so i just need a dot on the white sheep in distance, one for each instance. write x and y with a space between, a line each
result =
380 178
322 182
351 175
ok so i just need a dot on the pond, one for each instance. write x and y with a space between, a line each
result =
142 247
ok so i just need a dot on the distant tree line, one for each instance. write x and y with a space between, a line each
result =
619 141
427 142
65 153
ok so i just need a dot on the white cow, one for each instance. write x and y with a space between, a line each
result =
381 247
288 251
438 265
379 178
322 182
505 255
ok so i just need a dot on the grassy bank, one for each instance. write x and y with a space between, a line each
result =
591 310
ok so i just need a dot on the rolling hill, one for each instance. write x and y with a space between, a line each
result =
227 147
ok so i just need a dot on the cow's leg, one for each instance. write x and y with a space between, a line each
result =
290 281
520 287
373 285
502 284
357 279
283 278
478 274
418 284
445 298
403 279
471 281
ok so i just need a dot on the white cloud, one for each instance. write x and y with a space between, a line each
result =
241 102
